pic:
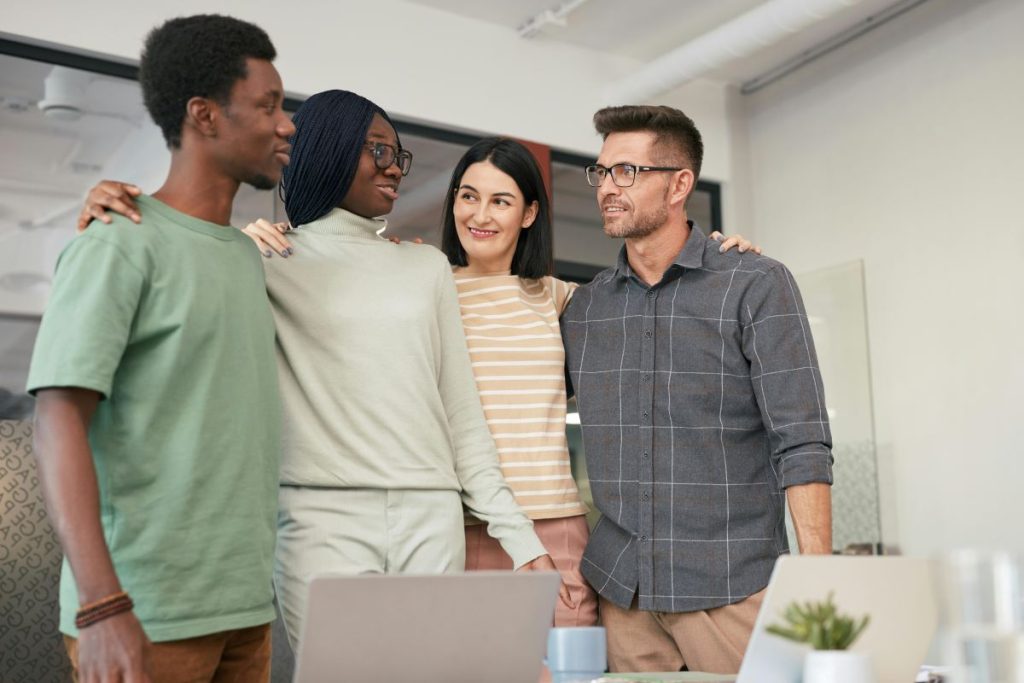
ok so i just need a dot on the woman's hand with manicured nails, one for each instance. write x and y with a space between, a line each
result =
269 237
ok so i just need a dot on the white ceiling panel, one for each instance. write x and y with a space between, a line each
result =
647 29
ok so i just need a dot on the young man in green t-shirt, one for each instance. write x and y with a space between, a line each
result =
158 419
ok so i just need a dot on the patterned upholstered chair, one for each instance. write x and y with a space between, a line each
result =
31 649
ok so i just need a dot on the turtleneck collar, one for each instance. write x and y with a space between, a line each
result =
346 223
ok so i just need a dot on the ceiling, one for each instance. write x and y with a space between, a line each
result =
646 29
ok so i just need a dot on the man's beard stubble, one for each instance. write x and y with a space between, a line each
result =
643 224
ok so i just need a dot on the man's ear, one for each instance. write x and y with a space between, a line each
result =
530 215
683 184
202 114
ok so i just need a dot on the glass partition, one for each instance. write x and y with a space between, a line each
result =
837 310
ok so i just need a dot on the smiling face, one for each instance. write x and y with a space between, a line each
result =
252 137
490 212
374 190
639 210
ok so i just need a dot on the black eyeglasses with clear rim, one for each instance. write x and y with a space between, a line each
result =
384 155
623 175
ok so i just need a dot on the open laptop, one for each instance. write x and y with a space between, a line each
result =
472 627
896 591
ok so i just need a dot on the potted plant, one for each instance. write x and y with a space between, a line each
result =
820 625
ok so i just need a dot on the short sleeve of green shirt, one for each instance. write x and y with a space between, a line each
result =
88 321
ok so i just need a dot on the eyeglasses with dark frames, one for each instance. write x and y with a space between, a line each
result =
384 155
623 175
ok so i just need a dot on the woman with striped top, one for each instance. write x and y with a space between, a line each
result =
497 236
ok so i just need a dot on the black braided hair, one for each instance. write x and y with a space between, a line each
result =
330 130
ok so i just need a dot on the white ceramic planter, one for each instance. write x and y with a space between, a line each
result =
838 666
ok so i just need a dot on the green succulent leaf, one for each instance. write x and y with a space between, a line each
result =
820 625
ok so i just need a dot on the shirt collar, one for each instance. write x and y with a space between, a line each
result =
691 256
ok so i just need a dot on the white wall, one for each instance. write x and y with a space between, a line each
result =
905 149
718 111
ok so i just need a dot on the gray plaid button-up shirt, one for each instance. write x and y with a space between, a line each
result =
701 401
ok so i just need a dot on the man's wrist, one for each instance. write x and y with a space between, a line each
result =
816 546
104 608
97 590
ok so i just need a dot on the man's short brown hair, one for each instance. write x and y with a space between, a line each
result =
675 132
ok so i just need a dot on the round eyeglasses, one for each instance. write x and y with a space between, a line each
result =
623 175
384 155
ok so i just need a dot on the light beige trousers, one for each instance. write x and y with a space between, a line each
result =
361 531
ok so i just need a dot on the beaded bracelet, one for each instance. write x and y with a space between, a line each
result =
104 608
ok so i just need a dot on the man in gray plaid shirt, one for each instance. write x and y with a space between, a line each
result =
702 409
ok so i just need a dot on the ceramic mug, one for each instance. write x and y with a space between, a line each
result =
577 654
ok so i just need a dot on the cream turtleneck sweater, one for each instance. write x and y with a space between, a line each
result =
375 376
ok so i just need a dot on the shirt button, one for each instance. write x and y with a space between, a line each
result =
646 496
650 292
643 538
646 454
647 378
645 413
648 334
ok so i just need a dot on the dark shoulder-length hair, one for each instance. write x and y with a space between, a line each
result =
534 251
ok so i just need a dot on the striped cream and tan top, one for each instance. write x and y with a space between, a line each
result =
515 345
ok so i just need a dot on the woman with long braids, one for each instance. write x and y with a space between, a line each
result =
497 237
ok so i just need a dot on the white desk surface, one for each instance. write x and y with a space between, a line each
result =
669 677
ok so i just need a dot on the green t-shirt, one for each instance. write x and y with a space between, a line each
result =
169 321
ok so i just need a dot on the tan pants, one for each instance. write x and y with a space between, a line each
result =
564 539
237 656
711 640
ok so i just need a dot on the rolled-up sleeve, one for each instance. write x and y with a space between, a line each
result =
787 384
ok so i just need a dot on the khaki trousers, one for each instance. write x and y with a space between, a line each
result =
238 656
712 640
564 539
